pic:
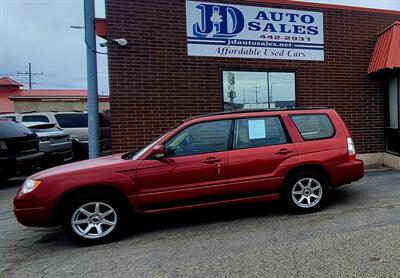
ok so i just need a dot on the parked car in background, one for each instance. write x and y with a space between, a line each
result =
295 155
19 149
53 141
76 125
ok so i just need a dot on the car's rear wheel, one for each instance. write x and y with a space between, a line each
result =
94 218
305 192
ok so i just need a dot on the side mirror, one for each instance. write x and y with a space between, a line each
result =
158 151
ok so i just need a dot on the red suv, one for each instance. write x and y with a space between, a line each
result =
294 155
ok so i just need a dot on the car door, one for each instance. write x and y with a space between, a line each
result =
261 148
193 170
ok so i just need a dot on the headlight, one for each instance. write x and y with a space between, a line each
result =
3 145
29 185
44 138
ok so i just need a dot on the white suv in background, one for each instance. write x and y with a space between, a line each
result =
73 123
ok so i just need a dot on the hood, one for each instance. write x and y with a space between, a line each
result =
112 163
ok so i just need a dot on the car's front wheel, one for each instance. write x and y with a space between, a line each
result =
305 192
94 218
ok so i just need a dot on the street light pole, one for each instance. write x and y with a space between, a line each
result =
92 88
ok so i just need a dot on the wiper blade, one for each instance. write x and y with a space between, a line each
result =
131 154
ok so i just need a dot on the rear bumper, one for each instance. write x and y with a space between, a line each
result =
47 146
348 172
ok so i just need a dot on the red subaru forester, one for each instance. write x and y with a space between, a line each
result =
294 155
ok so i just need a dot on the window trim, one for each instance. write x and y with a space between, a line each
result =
285 131
314 114
218 120
221 80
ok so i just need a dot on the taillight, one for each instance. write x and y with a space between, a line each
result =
351 149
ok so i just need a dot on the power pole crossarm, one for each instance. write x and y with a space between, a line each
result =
29 73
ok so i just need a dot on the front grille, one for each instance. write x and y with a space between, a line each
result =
28 146
23 146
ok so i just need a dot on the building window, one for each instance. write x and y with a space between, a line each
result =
258 90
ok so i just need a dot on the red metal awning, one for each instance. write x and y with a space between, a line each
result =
387 49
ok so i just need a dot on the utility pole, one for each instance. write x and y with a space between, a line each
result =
270 96
256 87
268 92
92 87
30 73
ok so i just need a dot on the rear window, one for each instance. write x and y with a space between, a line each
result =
35 118
11 129
44 128
9 117
315 126
74 120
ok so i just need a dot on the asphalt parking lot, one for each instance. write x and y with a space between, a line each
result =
356 235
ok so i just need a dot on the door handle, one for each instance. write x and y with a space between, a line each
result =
283 151
210 160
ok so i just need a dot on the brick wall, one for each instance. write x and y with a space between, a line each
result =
154 84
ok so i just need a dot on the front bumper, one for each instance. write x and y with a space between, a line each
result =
31 211
29 158
10 165
33 217
56 157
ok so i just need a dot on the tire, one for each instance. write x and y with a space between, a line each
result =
300 196
99 218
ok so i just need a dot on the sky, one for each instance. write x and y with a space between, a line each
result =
37 31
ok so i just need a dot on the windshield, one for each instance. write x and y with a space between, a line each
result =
145 149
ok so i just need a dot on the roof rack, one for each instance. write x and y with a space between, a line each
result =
260 110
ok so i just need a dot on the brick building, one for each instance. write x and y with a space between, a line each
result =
186 58
13 99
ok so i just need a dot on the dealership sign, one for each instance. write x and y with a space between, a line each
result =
222 30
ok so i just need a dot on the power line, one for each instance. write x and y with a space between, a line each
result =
30 74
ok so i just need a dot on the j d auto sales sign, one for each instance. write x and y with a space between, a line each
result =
222 30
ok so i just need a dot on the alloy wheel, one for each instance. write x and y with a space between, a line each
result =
307 192
94 220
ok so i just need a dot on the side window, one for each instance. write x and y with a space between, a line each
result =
314 126
35 118
200 138
256 132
